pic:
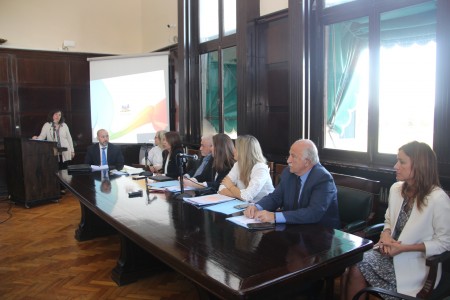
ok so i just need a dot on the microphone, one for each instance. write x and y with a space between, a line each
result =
193 156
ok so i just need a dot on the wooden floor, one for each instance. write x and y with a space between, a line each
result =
40 259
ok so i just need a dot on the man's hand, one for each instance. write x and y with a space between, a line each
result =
250 211
265 216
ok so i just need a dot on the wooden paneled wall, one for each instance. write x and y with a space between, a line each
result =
32 83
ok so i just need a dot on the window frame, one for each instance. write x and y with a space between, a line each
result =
339 13
219 44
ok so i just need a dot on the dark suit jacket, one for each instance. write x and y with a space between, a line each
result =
173 169
207 173
214 184
114 156
318 199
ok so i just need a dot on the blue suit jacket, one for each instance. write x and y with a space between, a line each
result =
318 199
114 156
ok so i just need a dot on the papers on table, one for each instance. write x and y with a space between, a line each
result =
242 220
177 188
99 168
227 208
170 186
208 199
132 170
163 184
116 172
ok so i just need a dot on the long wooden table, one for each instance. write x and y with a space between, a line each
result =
223 259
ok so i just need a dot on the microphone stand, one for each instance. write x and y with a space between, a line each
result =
180 175
146 172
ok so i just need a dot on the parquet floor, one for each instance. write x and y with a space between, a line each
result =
41 259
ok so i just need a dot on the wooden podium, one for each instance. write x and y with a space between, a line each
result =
31 167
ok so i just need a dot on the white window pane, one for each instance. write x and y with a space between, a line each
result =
407 76
407 94
229 17
329 3
209 20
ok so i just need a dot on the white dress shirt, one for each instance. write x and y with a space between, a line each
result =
260 182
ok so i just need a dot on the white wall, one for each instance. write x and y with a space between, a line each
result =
99 26
270 6
157 14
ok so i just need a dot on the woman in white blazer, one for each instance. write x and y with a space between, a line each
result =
416 226
57 130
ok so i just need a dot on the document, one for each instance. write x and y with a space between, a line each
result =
132 170
99 168
208 199
163 184
177 188
250 223
227 208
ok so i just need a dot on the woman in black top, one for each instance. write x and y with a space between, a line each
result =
172 147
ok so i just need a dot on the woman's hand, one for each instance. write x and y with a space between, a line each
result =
391 248
227 182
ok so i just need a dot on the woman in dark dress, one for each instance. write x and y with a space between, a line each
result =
172 147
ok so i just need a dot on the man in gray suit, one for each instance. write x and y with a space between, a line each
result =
306 193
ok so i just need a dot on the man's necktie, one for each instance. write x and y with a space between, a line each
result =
201 167
298 187
104 160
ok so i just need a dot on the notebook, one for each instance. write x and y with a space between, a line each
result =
80 168
160 178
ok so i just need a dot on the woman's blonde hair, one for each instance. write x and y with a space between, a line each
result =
161 135
249 154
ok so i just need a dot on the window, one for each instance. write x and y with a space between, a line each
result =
329 3
209 20
218 86
379 78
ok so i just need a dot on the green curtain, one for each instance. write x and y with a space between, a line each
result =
346 41
229 84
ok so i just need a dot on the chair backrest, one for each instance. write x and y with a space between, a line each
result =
357 200
271 166
277 173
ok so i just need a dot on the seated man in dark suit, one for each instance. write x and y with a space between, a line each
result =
306 193
104 153
204 171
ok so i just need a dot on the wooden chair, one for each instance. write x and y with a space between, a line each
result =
277 173
357 199
271 166
427 292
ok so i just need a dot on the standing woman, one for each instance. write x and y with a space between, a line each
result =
172 147
56 130
249 179
416 226
155 158
222 151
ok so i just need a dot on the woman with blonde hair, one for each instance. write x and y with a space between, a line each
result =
249 179
155 157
